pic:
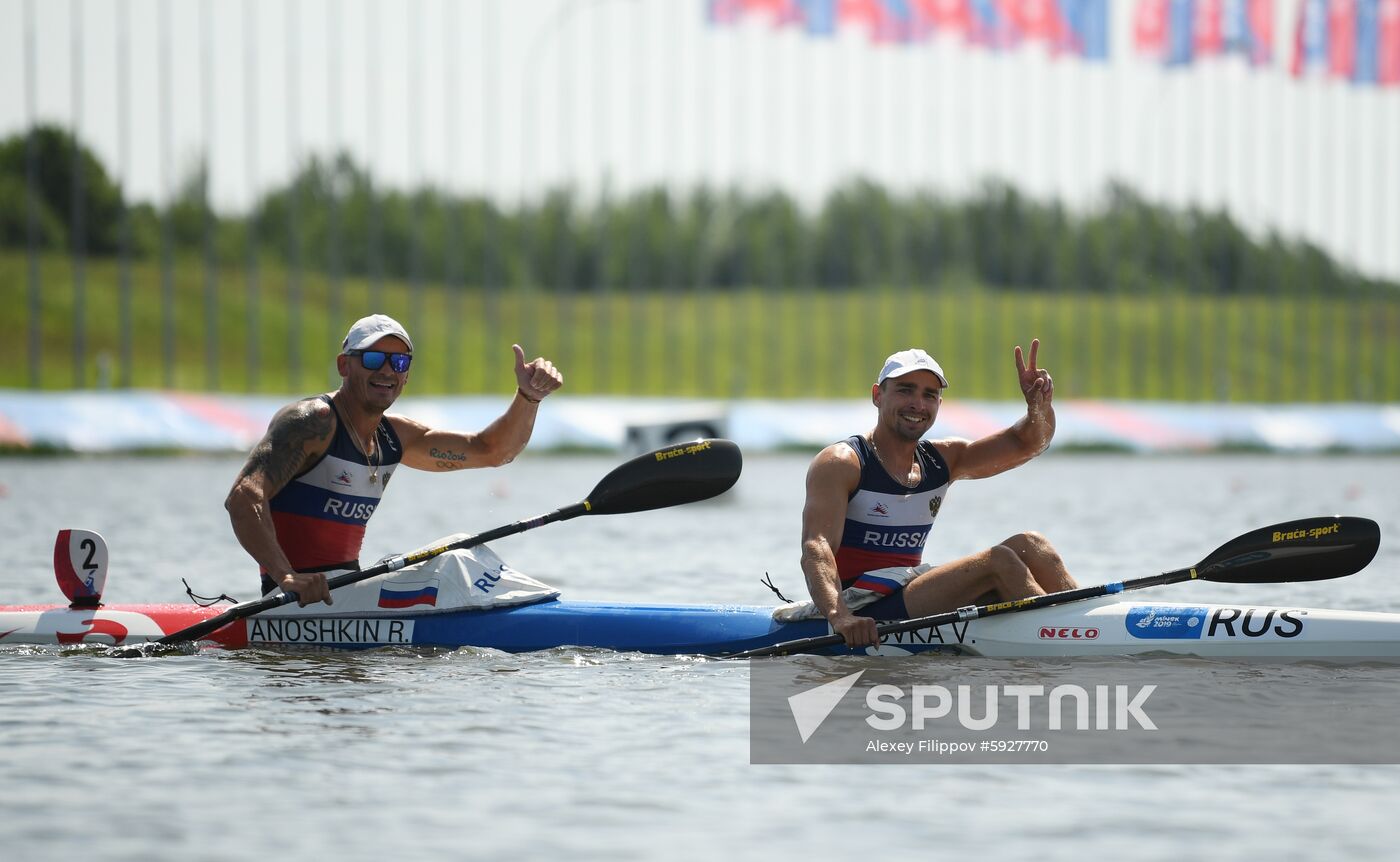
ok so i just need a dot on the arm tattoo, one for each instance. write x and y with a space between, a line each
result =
449 459
282 451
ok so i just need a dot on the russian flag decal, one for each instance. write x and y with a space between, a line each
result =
876 584
409 594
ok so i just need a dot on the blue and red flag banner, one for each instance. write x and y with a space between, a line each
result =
1179 32
1354 40
1377 59
1388 62
1208 22
818 17
1083 30
730 11
1341 38
1310 37
1077 28
1366 64
886 20
1248 27
1150 28
990 26
944 16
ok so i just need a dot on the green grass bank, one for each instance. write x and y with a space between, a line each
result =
277 332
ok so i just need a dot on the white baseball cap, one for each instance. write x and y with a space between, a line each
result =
368 330
905 361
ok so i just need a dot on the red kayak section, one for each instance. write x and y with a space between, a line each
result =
110 624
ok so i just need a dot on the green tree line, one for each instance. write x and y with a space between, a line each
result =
332 217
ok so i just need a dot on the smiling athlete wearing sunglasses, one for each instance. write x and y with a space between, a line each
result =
302 500
374 359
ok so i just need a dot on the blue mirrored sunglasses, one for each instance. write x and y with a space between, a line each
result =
373 360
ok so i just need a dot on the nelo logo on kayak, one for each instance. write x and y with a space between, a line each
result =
1067 634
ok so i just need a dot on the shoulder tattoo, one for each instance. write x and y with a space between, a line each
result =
282 451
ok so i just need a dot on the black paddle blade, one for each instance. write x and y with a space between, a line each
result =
1311 549
673 476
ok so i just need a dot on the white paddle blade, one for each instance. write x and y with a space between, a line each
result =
80 565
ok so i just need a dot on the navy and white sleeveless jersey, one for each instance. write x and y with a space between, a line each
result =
321 515
888 523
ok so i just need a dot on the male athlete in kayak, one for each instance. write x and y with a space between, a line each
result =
302 500
872 499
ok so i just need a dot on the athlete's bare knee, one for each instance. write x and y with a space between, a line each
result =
1004 558
1033 547
1009 572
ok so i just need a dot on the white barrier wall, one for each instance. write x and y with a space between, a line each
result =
145 420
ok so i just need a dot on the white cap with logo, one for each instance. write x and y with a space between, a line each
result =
913 359
368 330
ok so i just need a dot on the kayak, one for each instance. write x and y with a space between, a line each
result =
1107 626
458 593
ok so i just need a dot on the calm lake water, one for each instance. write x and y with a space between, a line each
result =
475 754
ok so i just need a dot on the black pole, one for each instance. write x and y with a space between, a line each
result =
78 211
296 203
333 92
418 188
124 313
167 274
493 249
375 240
453 280
31 180
211 275
250 119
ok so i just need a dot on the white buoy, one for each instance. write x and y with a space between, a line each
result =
80 565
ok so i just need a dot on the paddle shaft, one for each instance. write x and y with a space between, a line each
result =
1307 549
670 476
972 612
392 564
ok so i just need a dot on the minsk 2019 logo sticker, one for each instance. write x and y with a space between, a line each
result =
1174 622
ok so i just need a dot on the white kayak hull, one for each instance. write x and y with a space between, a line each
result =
1107 626
1110 626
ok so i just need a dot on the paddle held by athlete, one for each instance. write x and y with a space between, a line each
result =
872 500
301 502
